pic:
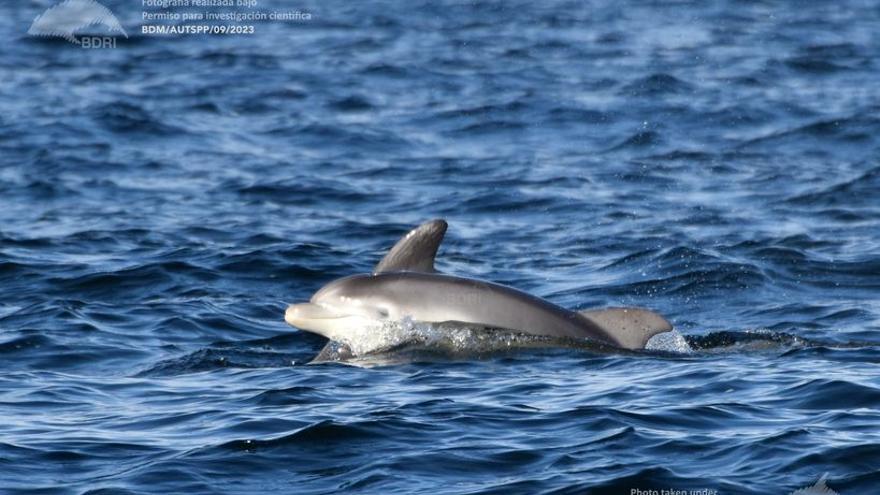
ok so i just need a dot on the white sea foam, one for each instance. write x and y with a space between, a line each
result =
671 341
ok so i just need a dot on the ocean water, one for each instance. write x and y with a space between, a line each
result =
163 201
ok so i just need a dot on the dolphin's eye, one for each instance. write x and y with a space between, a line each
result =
383 312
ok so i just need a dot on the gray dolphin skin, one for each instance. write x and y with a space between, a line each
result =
405 285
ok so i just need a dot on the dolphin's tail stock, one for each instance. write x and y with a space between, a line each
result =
631 328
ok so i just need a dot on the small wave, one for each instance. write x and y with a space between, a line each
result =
282 94
352 104
490 127
317 435
855 133
574 115
228 59
281 351
384 69
353 136
296 192
825 394
124 117
486 202
655 85
514 107
24 343
641 139
814 65
160 275
823 59
286 396
214 359
855 191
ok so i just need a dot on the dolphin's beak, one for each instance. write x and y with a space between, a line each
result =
317 319
299 315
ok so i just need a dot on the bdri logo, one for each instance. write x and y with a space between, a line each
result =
68 17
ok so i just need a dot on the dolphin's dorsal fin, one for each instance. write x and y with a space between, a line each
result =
632 328
415 252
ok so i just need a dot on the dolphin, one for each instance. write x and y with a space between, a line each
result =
405 285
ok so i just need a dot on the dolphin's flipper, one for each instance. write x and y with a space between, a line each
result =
632 328
415 252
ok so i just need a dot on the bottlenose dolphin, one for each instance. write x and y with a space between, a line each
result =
405 285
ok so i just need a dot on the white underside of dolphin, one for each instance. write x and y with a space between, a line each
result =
358 310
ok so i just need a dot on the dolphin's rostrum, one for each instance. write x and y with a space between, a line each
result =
405 285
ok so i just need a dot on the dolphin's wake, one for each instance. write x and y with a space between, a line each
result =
409 342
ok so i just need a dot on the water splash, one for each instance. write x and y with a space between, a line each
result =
446 338
671 341
383 335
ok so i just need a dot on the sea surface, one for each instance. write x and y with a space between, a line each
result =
163 201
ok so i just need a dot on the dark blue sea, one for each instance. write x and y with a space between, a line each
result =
163 201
